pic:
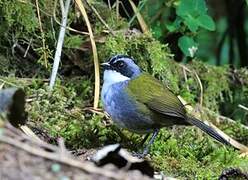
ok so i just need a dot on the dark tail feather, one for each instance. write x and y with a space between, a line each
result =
207 129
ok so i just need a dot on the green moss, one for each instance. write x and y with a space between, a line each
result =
237 131
215 83
195 157
19 15
110 17
5 66
189 90
61 113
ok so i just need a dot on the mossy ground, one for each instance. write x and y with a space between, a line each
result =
182 151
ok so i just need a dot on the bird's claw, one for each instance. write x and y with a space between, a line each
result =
139 155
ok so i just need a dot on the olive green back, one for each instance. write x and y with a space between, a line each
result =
149 91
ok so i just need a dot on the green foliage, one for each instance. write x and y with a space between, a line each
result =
194 15
187 45
236 130
191 17
73 41
19 16
4 65
113 21
239 96
174 25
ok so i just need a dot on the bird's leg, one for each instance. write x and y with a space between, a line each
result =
144 140
146 150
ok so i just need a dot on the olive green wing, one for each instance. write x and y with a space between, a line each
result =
148 90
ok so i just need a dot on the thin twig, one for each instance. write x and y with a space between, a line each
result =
109 5
223 118
1 86
96 111
42 34
120 3
117 9
100 18
59 45
94 50
55 18
62 147
233 142
13 47
141 20
53 32
9 83
125 9
184 67
29 132
243 107
68 28
29 44
197 78
201 88
185 78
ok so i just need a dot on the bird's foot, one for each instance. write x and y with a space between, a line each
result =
140 155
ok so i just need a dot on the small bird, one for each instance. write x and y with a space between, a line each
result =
137 101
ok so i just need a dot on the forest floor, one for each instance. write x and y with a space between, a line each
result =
181 152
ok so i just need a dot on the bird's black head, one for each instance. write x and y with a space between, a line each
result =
122 64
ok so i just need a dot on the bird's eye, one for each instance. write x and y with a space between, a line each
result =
120 64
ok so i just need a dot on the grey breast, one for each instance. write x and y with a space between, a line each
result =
124 111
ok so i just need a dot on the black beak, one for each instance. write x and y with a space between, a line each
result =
105 65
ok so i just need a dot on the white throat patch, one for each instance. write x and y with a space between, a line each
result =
112 77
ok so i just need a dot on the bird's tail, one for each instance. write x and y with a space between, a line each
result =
207 129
